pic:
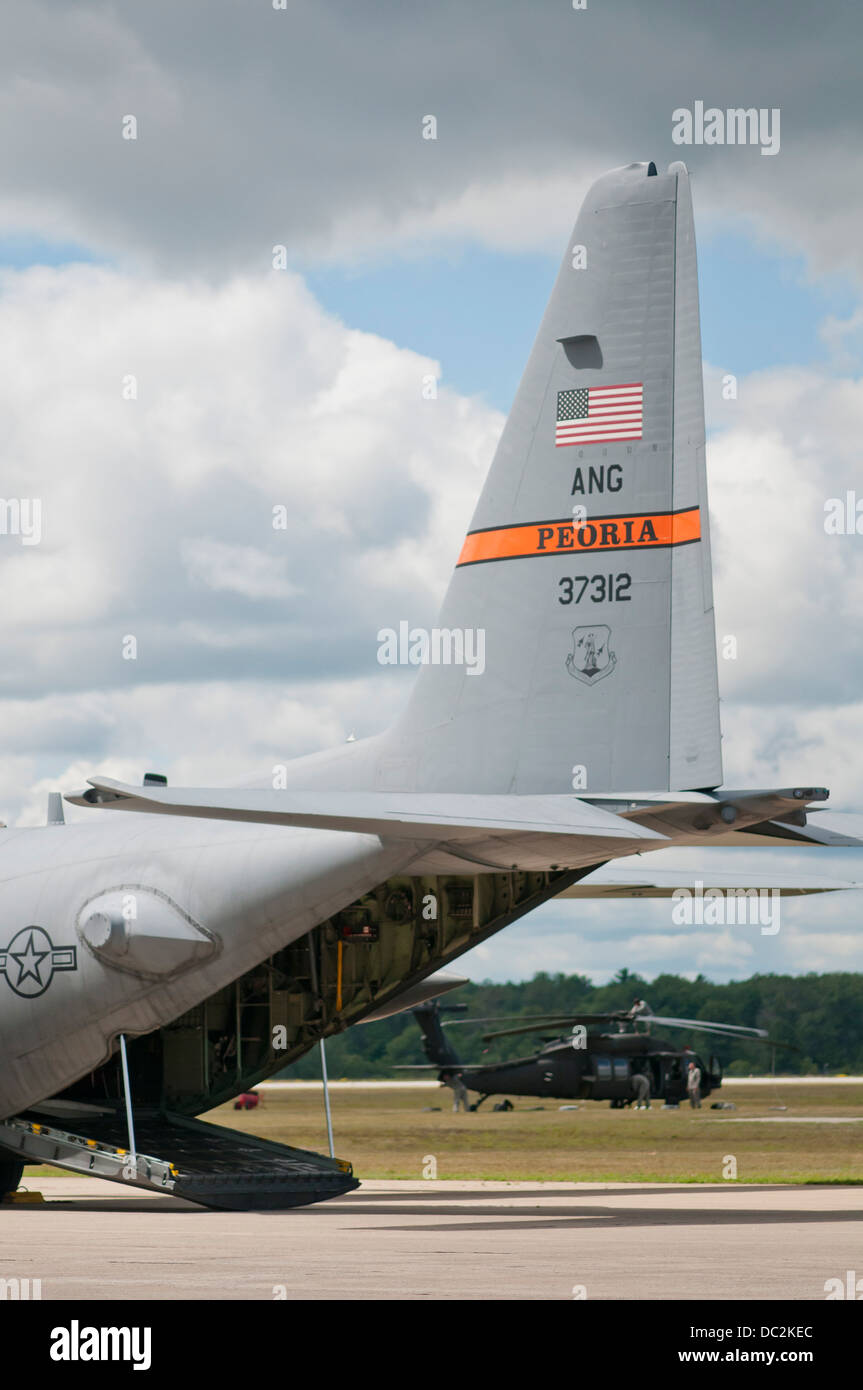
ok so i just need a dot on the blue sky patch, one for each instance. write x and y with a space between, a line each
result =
20 251
478 312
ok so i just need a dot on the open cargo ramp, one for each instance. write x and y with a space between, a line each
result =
204 1163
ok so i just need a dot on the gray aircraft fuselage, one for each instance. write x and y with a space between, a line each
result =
244 891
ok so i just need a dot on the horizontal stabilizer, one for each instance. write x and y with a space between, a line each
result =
430 988
641 880
528 832
833 829
402 815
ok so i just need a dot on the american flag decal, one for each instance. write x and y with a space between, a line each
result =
599 414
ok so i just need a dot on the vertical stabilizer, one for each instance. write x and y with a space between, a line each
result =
598 625
436 1045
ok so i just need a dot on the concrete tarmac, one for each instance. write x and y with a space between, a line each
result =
92 1240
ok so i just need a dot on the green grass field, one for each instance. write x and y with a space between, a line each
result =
387 1134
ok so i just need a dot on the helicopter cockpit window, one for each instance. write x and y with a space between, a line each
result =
603 1068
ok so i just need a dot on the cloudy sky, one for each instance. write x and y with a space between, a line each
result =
164 388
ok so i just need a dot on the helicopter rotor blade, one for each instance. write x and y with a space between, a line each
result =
503 1018
737 1031
539 1018
730 1030
552 1022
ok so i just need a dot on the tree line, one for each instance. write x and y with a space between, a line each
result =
819 1019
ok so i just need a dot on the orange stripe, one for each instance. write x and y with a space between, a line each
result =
642 531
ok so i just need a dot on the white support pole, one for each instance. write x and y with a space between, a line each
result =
128 1097
327 1098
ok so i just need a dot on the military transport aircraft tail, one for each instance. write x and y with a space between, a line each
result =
590 659
567 708
576 649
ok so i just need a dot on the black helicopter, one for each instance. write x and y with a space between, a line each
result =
581 1064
